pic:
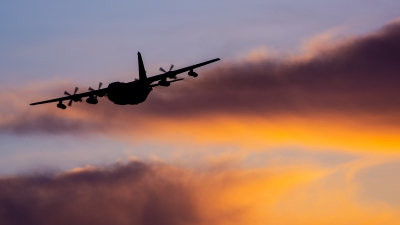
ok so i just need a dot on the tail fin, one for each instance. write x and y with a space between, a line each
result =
142 71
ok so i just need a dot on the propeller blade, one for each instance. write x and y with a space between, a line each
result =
100 84
161 69
172 66
70 101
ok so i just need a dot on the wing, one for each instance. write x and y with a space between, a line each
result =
75 97
172 74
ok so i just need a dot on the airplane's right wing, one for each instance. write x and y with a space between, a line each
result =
75 97
172 74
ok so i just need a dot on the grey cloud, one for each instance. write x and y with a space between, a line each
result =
135 193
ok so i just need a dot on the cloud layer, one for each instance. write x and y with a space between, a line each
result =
143 193
132 194
354 82
356 77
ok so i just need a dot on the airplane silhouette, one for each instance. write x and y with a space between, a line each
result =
131 93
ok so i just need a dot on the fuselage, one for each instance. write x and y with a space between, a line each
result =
131 93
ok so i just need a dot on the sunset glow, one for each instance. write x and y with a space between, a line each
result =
298 123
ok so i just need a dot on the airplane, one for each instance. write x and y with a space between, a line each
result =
131 93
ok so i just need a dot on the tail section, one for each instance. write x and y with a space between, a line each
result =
142 71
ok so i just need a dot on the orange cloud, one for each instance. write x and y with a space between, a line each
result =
258 133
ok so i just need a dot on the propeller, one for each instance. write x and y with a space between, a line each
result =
170 68
100 84
91 89
72 96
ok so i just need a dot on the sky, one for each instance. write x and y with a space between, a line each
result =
299 123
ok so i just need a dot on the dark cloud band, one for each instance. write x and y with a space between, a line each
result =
358 79
136 193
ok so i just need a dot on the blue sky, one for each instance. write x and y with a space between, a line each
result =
98 40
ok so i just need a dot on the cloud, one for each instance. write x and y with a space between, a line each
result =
350 85
132 194
359 77
148 193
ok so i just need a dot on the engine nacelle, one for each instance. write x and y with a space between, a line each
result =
75 99
192 74
163 83
92 100
61 106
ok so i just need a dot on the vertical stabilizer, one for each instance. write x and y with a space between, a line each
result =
142 71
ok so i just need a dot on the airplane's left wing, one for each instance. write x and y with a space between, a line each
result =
75 97
173 73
